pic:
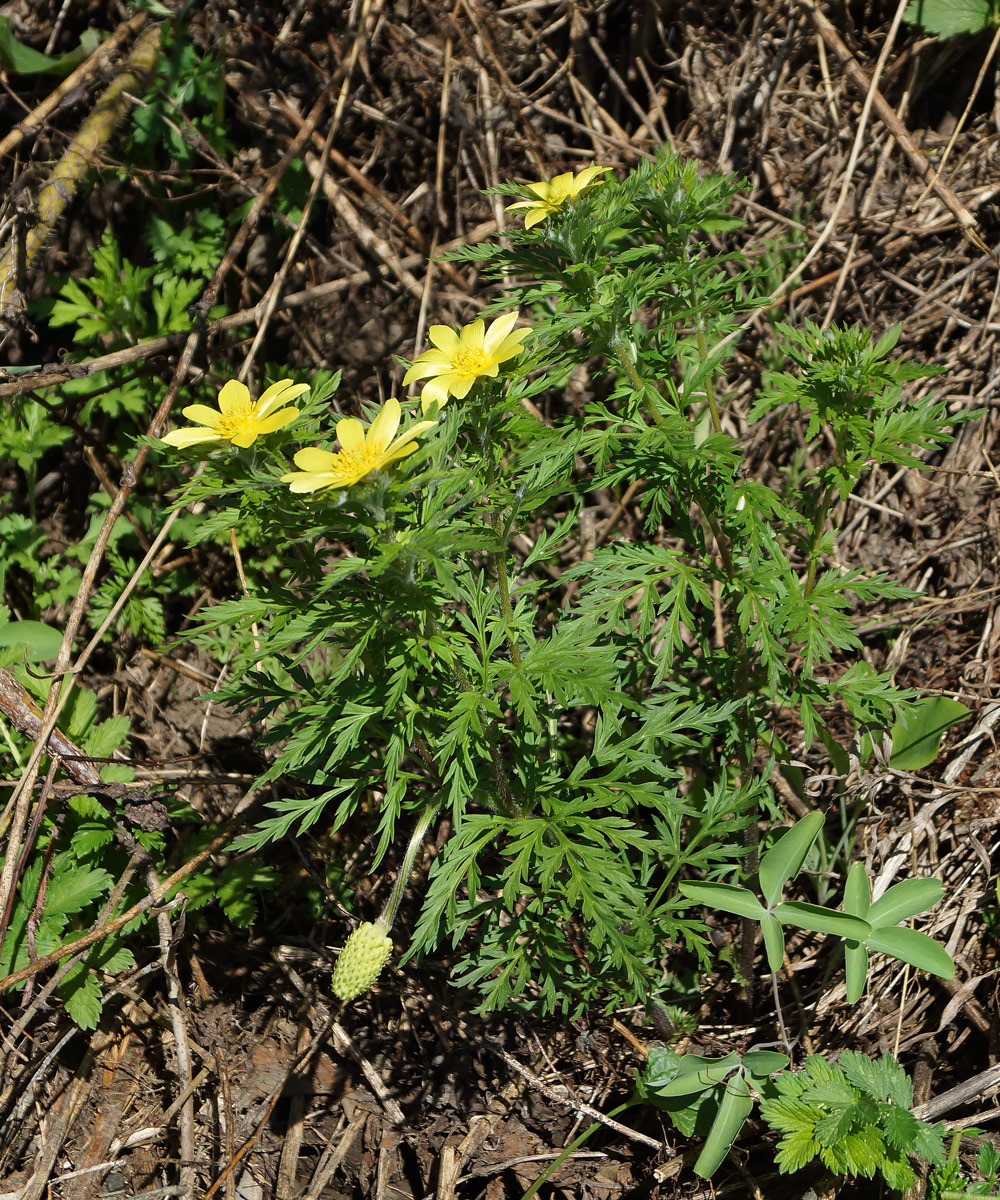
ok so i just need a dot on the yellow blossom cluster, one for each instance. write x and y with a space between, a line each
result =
456 361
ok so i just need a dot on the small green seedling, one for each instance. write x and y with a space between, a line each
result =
780 864
708 1094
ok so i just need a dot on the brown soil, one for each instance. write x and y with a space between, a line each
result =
406 1094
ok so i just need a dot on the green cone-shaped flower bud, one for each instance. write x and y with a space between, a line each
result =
361 960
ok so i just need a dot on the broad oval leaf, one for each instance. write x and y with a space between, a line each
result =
697 1074
762 1063
913 947
917 738
948 18
786 856
822 920
774 941
733 1111
857 891
904 900
725 896
41 642
855 970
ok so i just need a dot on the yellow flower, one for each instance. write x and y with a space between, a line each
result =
360 453
459 359
549 195
239 419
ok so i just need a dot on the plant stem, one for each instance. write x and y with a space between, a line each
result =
503 583
391 906
557 1162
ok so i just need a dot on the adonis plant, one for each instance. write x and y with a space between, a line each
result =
580 713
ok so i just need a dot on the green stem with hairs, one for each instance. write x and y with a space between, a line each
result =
391 906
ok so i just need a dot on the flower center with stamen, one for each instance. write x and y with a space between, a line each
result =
359 462
470 360
237 419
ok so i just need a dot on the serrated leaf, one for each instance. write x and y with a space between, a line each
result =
726 897
73 888
896 1171
822 920
882 1079
900 1128
916 739
913 947
785 858
81 995
796 1150
904 900
834 1126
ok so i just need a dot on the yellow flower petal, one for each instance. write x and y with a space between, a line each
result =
301 482
462 357
431 362
431 394
471 336
446 339
498 330
181 438
201 414
311 458
276 420
383 428
350 434
282 392
234 396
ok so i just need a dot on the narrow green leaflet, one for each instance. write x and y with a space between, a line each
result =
855 970
696 1074
733 1111
774 941
822 920
904 900
913 947
24 60
916 739
785 858
727 897
857 891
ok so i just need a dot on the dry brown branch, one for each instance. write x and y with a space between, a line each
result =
36 119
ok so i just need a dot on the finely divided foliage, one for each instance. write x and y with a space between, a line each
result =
585 735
